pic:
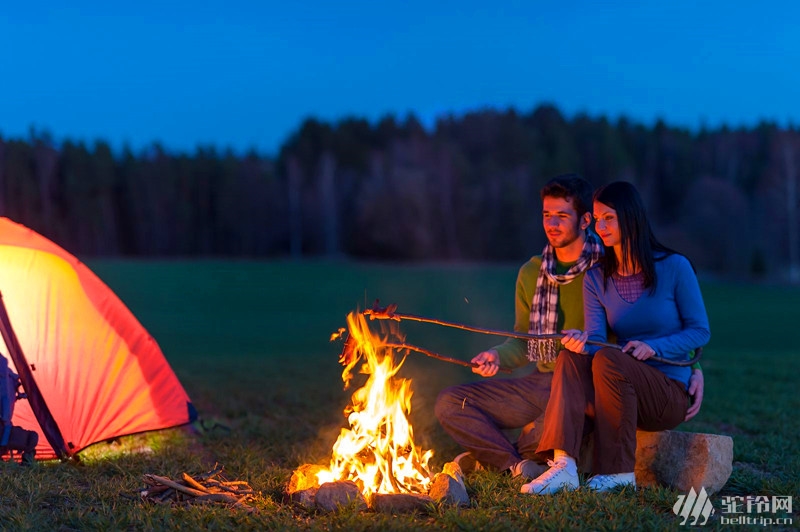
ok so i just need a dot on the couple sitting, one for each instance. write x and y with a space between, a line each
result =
644 294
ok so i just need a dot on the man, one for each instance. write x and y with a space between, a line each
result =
549 299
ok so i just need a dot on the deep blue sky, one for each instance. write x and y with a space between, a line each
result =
245 74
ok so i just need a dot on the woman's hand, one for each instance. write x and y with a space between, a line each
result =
639 350
696 388
574 340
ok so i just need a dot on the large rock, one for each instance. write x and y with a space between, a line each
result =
305 498
332 496
680 460
448 490
398 503
683 460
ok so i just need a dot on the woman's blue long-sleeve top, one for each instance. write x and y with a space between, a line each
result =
672 320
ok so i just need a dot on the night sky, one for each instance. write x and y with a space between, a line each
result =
245 74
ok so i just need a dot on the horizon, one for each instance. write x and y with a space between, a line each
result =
117 150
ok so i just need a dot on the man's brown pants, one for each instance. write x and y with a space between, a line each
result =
618 394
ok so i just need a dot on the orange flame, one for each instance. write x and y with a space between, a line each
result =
378 451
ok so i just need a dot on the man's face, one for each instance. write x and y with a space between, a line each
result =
561 221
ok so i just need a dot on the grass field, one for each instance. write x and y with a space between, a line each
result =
249 342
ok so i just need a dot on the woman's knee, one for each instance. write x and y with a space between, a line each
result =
606 358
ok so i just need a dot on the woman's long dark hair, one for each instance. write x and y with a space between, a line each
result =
639 244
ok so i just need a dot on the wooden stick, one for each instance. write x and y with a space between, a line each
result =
167 494
244 489
383 314
211 474
193 483
437 356
178 487
389 313
217 497
235 483
217 485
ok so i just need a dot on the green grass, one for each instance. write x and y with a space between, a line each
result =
249 341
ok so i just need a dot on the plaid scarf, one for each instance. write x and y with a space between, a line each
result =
544 307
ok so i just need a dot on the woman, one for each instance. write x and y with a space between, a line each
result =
648 295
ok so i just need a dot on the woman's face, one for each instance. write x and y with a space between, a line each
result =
606 224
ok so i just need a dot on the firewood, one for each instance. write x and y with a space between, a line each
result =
166 496
221 487
216 497
176 486
194 484
234 483
208 488
154 490
211 474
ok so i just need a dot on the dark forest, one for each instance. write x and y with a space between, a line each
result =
463 190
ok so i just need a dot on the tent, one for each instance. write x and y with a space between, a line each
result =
90 370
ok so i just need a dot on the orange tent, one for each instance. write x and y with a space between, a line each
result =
90 370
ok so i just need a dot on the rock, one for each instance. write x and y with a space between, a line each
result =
453 469
304 477
683 460
448 490
680 460
332 496
305 498
401 502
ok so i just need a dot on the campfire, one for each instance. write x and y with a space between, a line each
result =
377 452
376 456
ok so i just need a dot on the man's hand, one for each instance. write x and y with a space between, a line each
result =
488 363
696 385
574 340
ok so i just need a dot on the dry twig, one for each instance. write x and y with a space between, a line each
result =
207 488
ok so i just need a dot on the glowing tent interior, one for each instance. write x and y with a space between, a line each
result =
89 368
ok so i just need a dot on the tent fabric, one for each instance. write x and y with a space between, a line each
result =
99 372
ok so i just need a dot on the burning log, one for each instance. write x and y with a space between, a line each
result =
447 488
211 487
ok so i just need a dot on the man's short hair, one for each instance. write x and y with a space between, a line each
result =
570 187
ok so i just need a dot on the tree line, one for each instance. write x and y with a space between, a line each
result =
464 189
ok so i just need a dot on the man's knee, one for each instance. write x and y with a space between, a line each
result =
447 401
568 360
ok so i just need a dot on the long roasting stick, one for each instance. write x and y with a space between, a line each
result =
348 352
438 356
388 313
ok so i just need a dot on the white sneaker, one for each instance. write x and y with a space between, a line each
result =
609 482
561 475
